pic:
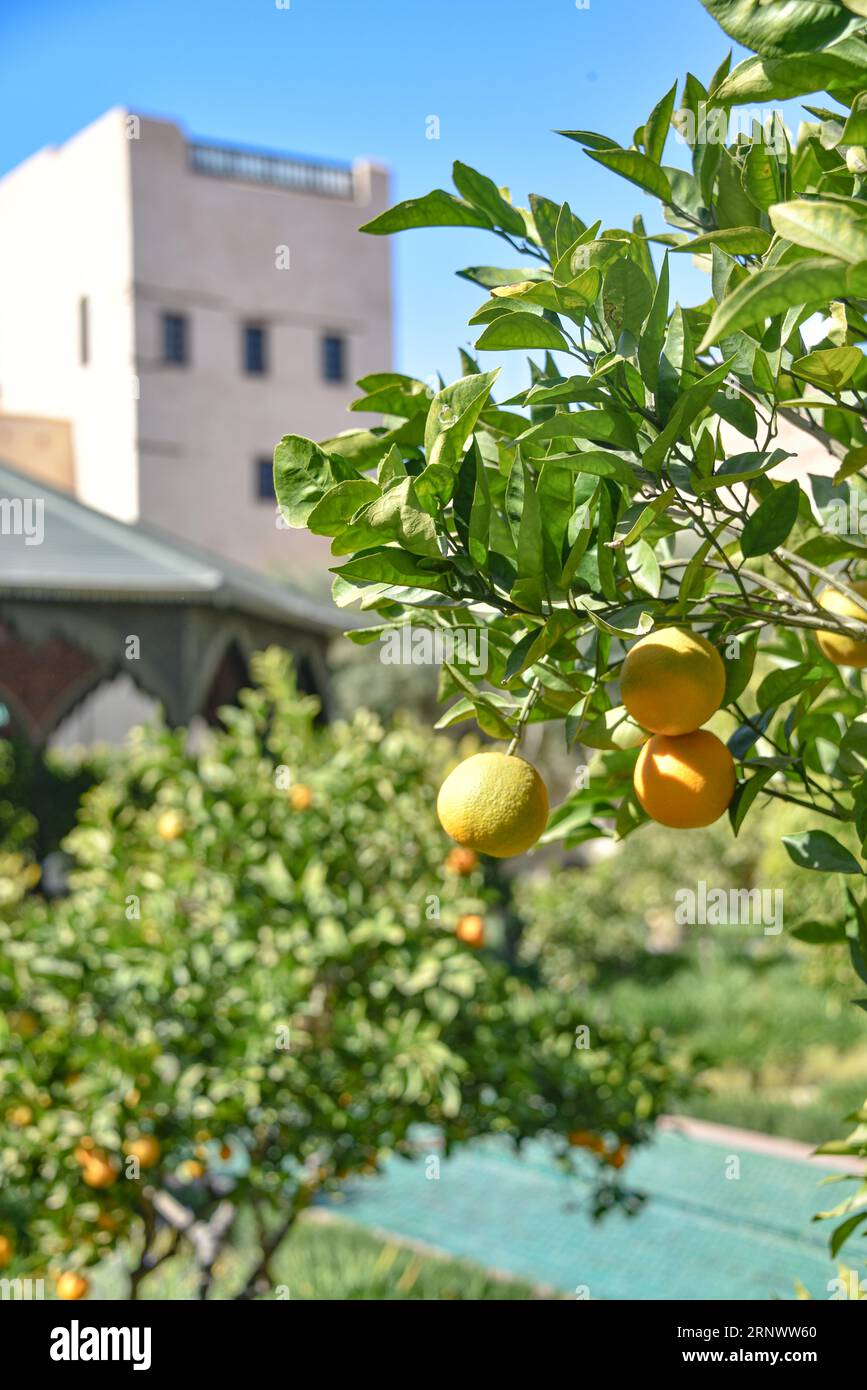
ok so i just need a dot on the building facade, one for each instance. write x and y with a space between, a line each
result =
170 308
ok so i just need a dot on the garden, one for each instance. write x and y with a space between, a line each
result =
621 879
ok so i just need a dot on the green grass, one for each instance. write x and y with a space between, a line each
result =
767 1023
326 1258
782 1052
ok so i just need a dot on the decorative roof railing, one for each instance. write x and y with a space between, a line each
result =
277 171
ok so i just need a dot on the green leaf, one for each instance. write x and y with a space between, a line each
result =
657 125
332 513
829 368
765 79
647 516
397 516
761 176
521 330
737 241
637 168
821 933
773 290
769 525
733 207
626 297
603 425
785 683
686 409
745 795
855 129
594 463
494 277
855 460
780 26
835 229
390 565
562 299
483 193
613 729
303 473
739 669
650 343
436 209
452 417
844 1231
590 139
816 849
531 563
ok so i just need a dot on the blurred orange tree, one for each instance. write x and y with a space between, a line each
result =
255 989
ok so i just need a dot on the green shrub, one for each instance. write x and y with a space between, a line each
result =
257 965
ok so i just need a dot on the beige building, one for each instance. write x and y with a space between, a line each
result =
169 309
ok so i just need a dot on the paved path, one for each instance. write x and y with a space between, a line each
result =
701 1234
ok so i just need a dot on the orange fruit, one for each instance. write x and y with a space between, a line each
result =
72 1285
471 929
494 803
19 1116
99 1171
300 797
7 1250
146 1149
672 681
684 782
170 825
461 861
844 651
619 1156
190 1170
583 1139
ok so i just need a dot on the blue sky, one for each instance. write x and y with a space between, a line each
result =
340 78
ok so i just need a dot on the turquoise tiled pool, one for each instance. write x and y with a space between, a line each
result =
702 1234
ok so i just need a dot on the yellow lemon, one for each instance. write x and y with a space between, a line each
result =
494 803
685 782
672 681
844 651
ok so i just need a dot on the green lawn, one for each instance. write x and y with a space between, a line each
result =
778 1051
766 1023
327 1258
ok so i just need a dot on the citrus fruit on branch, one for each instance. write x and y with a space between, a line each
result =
685 782
494 803
672 681
836 646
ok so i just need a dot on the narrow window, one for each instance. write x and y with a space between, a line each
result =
333 358
175 338
255 359
265 480
84 330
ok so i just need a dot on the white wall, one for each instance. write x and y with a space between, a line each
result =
65 232
207 247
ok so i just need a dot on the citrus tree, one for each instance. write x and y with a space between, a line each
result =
269 970
629 498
